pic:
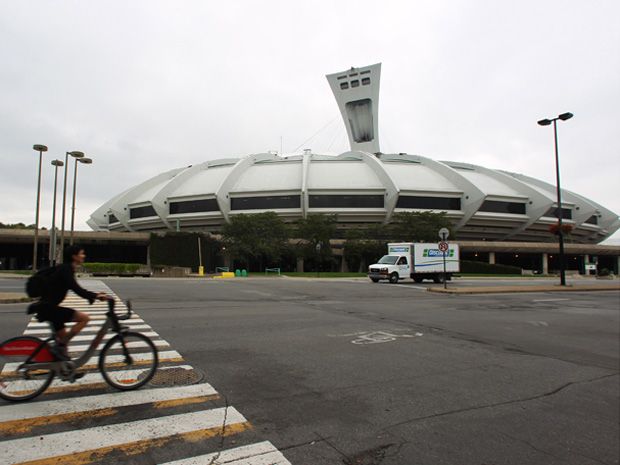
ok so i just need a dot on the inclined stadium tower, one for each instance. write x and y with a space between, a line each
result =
361 186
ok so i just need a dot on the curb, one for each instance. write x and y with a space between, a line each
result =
516 289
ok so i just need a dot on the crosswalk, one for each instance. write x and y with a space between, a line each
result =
166 422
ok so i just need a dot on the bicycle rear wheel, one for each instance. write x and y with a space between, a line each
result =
20 379
128 361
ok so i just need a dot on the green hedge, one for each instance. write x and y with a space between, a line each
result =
488 268
112 268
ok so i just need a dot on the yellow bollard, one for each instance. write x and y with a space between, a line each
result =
201 271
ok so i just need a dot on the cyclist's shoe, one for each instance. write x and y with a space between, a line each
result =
79 375
60 352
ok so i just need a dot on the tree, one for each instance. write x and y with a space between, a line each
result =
261 236
314 233
365 246
418 226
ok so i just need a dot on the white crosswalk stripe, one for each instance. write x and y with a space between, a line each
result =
195 423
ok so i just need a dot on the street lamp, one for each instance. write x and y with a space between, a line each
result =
56 164
86 161
559 212
39 148
74 154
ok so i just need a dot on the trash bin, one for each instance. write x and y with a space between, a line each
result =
244 273
237 273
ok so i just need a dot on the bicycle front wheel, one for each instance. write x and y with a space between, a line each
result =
20 378
128 361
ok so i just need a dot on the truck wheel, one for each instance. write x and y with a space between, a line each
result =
418 279
438 279
374 280
394 278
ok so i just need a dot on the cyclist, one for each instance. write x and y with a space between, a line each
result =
48 306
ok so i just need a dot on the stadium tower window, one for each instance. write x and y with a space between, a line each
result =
346 201
359 114
274 202
112 219
592 220
344 85
355 83
429 203
567 213
194 206
496 206
365 81
141 212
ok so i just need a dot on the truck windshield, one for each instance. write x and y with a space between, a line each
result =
388 259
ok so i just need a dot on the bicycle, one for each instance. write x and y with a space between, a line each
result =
30 364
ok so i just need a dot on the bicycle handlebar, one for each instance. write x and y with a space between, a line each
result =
127 315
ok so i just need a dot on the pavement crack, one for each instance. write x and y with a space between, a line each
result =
500 404
223 434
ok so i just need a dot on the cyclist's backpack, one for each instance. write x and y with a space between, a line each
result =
39 283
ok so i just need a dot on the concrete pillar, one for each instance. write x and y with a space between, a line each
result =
618 265
545 263
344 268
492 258
300 264
227 261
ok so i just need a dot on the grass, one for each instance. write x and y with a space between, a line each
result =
24 272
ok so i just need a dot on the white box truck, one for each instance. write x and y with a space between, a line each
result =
417 261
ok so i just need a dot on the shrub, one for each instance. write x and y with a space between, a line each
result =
488 268
112 268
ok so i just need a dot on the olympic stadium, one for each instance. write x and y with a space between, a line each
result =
360 187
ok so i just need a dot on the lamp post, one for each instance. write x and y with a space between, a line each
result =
559 211
39 148
56 164
74 154
86 161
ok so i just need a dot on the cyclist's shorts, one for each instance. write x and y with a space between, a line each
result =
58 316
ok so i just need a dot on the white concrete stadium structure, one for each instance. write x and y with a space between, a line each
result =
361 186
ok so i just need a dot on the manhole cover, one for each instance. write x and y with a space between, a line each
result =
176 377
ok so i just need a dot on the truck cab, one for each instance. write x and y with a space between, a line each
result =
390 267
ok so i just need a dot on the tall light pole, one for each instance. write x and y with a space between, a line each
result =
559 211
86 161
56 164
74 154
39 148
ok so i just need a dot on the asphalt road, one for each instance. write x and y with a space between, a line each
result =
350 372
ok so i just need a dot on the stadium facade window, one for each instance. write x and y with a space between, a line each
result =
359 114
346 201
567 213
265 203
365 81
141 212
592 220
355 83
112 219
344 85
496 206
428 203
194 206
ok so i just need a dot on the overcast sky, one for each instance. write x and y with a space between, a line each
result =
146 86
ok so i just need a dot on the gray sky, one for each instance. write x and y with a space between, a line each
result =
147 86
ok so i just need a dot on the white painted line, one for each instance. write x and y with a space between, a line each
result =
262 453
46 334
549 300
96 378
134 344
118 399
71 442
93 361
96 323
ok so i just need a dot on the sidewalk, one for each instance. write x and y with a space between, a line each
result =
526 288
13 297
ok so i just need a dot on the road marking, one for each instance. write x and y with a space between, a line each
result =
112 360
134 344
376 337
97 441
262 453
100 322
549 300
89 403
88 329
